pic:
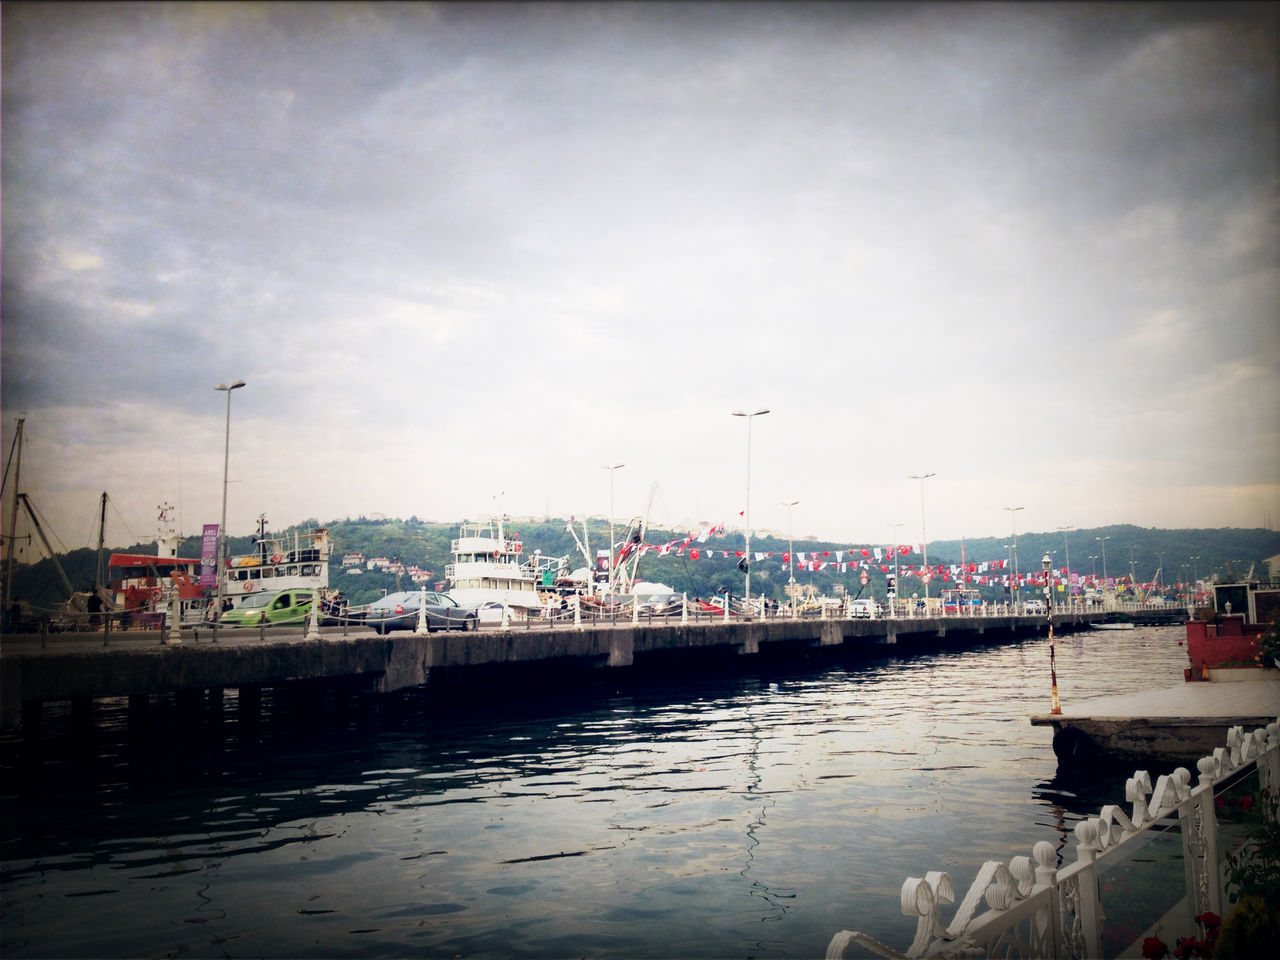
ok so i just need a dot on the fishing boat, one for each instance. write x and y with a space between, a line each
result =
279 563
491 570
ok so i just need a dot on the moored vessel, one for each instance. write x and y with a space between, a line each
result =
279 563
491 569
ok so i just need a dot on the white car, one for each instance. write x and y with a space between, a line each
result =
864 609
1033 607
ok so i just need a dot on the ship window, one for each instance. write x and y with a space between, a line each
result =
292 571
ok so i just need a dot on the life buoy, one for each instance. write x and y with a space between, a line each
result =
276 558
155 593
248 585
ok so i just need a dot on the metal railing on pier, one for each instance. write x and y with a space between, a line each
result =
156 626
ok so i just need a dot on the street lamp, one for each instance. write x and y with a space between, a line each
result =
1054 707
611 472
1103 541
222 528
1008 559
1013 515
924 537
1067 555
746 559
791 556
892 595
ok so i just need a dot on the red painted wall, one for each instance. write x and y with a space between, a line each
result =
1228 642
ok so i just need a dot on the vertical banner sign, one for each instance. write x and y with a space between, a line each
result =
209 556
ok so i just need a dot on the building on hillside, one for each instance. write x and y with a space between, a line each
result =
1273 569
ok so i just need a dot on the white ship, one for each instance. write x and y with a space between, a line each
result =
491 569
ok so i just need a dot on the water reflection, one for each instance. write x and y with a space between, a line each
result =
746 814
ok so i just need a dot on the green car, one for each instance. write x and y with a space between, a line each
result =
273 609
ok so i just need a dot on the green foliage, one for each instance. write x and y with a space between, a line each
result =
1253 870
1251 929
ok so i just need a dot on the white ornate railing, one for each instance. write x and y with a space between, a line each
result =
1034 909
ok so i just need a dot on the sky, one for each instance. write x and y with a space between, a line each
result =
468 257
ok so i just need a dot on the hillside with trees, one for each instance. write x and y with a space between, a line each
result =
1183 555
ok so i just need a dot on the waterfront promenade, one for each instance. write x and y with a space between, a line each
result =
84 667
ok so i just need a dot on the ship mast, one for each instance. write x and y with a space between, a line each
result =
102 531
15 454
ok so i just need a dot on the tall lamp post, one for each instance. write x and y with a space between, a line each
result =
746 558
1054 706
1103 541
1066 552
1013 515
892 595
222 528
612 469
1008 559
924 536
791 557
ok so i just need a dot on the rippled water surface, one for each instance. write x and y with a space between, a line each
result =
745 815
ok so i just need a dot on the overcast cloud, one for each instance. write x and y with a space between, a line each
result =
465 256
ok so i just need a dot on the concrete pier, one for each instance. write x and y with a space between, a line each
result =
80 668
1182 722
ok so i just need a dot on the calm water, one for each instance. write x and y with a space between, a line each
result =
751 815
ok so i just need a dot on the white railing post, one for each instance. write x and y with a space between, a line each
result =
684 609
175 619
313 618
1088 907
420 628
1199 824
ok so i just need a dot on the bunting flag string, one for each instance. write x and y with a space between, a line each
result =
883 559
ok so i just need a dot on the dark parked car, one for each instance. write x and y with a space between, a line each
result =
399 611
